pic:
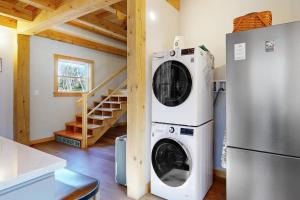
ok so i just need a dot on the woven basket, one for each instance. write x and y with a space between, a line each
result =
252 21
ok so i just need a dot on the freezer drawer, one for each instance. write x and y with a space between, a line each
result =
261 176
263 98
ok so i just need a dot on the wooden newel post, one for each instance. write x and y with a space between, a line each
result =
84 121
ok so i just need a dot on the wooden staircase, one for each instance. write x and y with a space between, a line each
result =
90 125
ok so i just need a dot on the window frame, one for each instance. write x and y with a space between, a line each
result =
57 93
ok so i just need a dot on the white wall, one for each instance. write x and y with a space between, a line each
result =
161 28
48 113
207 21
7 47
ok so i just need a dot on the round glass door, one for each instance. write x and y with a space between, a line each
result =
171 162
172 83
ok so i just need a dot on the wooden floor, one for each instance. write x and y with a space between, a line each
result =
98 162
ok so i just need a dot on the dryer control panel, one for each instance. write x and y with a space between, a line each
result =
187 131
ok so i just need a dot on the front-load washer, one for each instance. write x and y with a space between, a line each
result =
182 87
181 161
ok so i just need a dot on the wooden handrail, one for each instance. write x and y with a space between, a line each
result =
123 84
106 81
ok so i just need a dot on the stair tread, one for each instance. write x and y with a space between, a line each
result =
108 109
100 117
115 95
97 117
79 125
110 102
70 134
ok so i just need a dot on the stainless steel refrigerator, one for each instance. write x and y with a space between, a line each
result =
263 113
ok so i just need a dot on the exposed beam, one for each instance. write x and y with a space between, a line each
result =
136 81
15 11
49 5
117 13
21 90
103 23
110 9
66 12
175 4
121 7
71 39
8 22
91 28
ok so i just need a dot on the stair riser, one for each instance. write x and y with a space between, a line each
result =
78 129
90 121
104 113
108 105
117 99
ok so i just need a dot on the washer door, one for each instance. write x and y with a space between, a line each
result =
171 162
172 83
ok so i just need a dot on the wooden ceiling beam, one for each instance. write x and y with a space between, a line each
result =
71 39
175 4
8 22
15 11
70 10
98 31
103 23
121 7
117 13
49 5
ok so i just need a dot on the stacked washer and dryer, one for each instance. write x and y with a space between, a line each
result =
182 124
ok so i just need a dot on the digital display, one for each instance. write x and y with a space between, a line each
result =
186 131
187 51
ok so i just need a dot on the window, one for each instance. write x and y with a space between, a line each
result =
73 76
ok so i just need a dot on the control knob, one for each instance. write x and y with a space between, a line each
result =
172 53
171 130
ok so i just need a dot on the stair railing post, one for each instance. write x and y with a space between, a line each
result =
84 120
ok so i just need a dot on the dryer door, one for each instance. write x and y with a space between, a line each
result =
171 162
172 83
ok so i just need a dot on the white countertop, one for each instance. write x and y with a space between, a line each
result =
20 163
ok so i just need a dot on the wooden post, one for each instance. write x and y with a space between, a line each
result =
21 90
136 134
84 121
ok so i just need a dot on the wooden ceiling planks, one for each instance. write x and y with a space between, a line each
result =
15 11
49 5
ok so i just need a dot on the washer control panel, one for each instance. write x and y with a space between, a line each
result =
190 51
